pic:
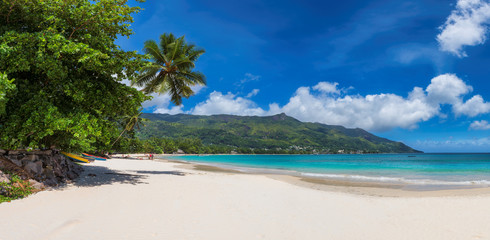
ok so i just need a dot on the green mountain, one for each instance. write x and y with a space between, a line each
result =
278 132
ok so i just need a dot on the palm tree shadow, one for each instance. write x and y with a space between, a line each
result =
93 176
176 173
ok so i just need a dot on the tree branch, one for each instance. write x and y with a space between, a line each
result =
83 24
10 10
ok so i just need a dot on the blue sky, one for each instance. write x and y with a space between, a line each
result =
412 71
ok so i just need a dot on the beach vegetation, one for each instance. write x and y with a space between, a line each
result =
14 189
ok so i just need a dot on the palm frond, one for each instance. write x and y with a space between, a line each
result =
176 47
174 90
152 49
194 54
195 77
165 40
154 85
184 63
148 74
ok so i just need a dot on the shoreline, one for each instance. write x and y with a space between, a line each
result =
344 186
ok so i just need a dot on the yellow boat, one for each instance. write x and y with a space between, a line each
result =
75 157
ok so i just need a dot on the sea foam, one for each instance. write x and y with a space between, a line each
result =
394 179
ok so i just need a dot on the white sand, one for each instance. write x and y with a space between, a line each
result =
157 204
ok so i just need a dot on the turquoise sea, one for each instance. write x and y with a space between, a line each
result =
449 170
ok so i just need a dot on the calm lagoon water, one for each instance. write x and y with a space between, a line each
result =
411 169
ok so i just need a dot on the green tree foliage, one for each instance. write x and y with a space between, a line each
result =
6 88
131 123
68 72
172 68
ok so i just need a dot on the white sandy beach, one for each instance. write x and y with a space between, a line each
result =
141 199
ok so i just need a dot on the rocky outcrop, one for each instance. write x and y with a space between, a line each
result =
4 177
47 167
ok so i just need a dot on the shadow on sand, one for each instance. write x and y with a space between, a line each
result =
93 176
177 173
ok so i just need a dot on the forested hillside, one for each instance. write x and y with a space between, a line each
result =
278 133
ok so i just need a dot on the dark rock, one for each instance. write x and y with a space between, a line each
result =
34 168
36 185
40 152
48 161
46 167
50 182
58 171
29 158
16 162
48 172
72 175
3 152
17 152
64 163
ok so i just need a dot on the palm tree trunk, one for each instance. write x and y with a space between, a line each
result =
120 135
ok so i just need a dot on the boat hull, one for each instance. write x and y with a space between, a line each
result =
92 157
76 158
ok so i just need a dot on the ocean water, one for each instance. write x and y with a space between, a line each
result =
470 170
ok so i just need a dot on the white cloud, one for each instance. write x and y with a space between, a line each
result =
447 88
161 102
173 110
480 125
372 112
327 87
376 112
253 93
466 26
217 103
473 107
198 88
158 101
248 78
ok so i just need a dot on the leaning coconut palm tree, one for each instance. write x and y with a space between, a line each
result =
131 123
171 69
